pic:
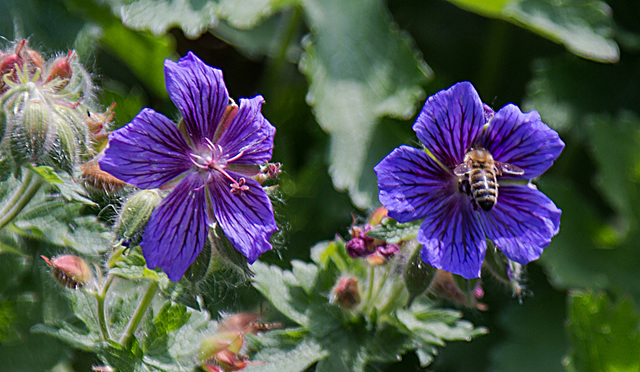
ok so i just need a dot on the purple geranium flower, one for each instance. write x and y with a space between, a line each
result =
210 157
452 198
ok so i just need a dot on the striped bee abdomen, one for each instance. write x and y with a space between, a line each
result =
484 187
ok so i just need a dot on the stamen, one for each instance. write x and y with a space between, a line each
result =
236 157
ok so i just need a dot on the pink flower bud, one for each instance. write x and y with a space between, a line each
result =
71 271
345 293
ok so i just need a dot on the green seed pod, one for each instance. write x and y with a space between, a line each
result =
33 132
417 274
63 153
135 215
73 119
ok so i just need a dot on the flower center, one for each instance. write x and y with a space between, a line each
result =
214 162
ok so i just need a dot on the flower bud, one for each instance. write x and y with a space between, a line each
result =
70 271
34 132
456 289
96 181
222 352
345 293
61 69
377 216
135 214
9 64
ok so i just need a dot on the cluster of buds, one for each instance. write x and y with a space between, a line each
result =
360 245
223 351
269 171
44 114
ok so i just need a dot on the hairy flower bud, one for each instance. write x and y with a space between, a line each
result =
70 271
34 134
345 293
135 215
61 69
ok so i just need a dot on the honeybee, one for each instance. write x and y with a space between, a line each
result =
480 171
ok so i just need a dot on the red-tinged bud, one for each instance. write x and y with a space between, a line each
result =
377 216
71 271
376 259
97 181
345 293
456 289
34 60
61 67
245 323
11 62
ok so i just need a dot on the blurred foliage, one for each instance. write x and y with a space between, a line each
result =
342 80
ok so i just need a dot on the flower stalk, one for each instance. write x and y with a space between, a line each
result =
31 183
133 324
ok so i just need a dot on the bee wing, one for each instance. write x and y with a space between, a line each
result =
462 169
506 168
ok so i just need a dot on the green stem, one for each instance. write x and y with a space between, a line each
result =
20 198
139 314
102 313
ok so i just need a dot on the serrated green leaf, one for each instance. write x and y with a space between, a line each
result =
394 232
360 68
60 223
283 290
297 358
604 334
192 16
305 273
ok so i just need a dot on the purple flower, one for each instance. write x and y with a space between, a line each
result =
452 198
210 157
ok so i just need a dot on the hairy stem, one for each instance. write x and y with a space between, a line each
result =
139 314
21 197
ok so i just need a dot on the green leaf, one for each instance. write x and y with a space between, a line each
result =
61 223
604 334
585 28
618 170
395 232
283 290
296 357
246 14
158 16
360 68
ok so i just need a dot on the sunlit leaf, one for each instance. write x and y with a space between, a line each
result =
360 69
604 334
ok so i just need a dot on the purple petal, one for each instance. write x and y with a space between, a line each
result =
178 228
411 183
452 238
250 133
148 152
450 122
522 222
246 219
523 140
199 92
